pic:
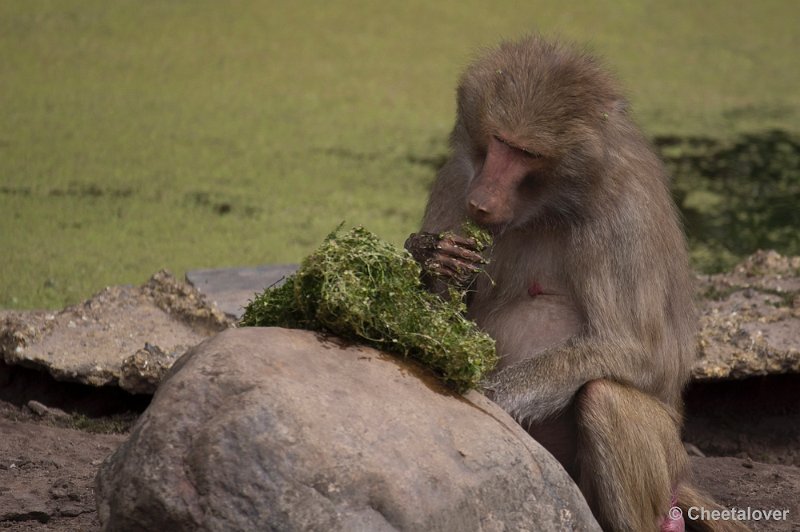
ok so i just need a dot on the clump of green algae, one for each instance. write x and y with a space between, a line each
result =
359 287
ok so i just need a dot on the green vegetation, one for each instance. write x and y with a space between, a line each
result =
119 423
737 196
482 237
113 424
139 135
359 287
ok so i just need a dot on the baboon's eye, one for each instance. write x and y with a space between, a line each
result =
528 153
502 141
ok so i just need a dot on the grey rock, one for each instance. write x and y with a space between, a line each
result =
89 342
749 318
750 321
43 410
273 429
144 370
130 336
231 289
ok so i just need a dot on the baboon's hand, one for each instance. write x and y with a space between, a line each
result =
450 257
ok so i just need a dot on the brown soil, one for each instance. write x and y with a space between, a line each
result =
742 484
47 466
47 475
757 418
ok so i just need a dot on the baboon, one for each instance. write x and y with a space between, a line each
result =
588 292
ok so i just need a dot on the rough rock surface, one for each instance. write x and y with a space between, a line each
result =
272 429
126 336
749 318
750 321
47 475
123 335
230 289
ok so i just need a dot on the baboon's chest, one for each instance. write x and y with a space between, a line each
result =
529 308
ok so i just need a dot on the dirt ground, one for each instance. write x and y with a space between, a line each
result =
47 475
750 431
757 418
47 465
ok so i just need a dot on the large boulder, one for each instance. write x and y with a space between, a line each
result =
274 429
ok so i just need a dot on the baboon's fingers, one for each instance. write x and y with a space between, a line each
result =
457 265
462 241
449 246
455 275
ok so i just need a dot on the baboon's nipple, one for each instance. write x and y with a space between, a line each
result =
535 289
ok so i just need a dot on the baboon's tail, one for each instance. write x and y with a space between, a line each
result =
690 497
